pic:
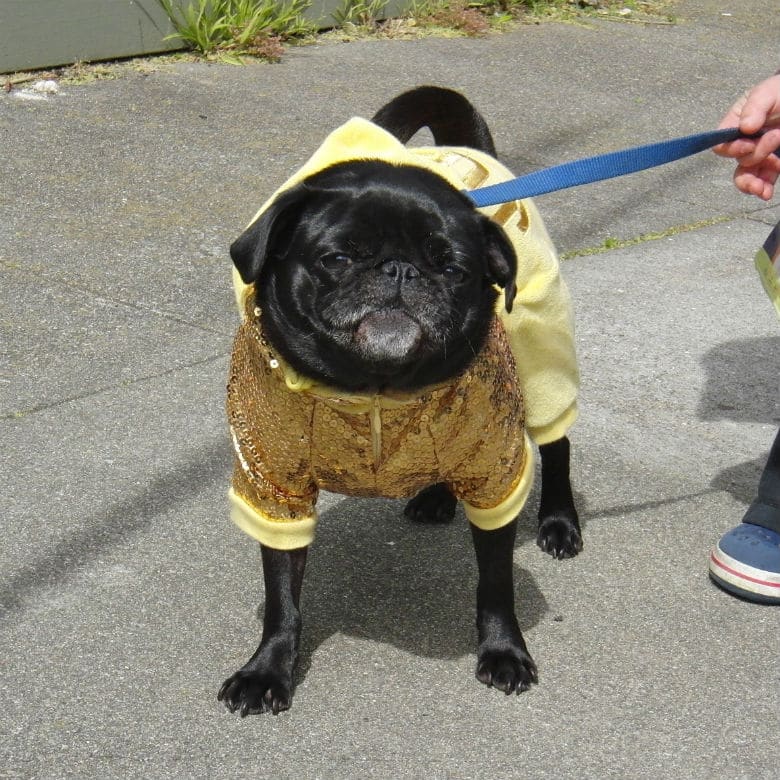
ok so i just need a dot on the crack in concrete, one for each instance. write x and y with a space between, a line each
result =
622 243
22 413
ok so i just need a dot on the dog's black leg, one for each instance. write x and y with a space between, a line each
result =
265 682
502 657
434 504
559 527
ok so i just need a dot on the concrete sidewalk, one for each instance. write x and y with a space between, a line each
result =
128 596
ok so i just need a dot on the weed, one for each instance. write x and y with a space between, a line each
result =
477 17
236 27
229 29
466 17
361 13
622 243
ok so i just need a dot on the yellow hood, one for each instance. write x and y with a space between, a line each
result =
540 327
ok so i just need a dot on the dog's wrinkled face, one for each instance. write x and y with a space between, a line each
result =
373 276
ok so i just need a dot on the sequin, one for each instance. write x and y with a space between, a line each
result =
467 433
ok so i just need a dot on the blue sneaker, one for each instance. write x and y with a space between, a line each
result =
746 562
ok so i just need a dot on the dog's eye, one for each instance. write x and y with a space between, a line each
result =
335 261
454 272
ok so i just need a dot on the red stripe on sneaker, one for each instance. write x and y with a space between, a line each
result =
742 576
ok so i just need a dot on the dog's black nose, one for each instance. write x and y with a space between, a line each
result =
399 270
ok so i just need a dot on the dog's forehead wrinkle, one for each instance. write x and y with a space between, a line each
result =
380 242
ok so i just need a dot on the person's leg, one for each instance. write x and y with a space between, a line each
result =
746 560
765 510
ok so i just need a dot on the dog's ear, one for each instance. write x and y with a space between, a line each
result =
250 250
501 261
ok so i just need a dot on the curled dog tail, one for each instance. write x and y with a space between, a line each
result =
449 116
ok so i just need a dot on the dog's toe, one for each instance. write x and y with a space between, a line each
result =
250 693
511 671
559 536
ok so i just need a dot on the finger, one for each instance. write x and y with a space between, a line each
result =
748 183
762 101
735 112
766 145
767 191
749 151
758 181
741 147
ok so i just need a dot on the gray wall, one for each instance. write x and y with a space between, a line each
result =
45 33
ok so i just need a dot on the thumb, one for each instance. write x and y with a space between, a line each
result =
761 109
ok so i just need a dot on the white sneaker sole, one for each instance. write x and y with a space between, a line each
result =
743 577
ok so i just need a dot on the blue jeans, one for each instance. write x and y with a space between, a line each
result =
765 509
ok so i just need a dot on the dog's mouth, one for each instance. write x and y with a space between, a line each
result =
388 336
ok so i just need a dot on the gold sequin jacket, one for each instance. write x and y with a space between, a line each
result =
293 436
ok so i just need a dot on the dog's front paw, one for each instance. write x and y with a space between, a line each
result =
510 669
560 536
252 692
434 504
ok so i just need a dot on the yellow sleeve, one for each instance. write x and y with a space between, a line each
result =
279 534
540 328
493 518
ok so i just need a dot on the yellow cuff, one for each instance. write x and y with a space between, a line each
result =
498 516
276 534
544 434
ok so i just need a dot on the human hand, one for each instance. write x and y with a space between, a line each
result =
757 168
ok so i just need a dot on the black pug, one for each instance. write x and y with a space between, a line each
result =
379 285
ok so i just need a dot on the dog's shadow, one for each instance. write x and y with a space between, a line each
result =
373 574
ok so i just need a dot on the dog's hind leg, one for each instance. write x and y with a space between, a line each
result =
434 504
265 682
502 657
559 527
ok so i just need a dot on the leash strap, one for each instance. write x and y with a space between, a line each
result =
600 167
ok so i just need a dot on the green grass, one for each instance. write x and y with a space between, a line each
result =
238 27
362 13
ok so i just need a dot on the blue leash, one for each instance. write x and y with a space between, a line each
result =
600 167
